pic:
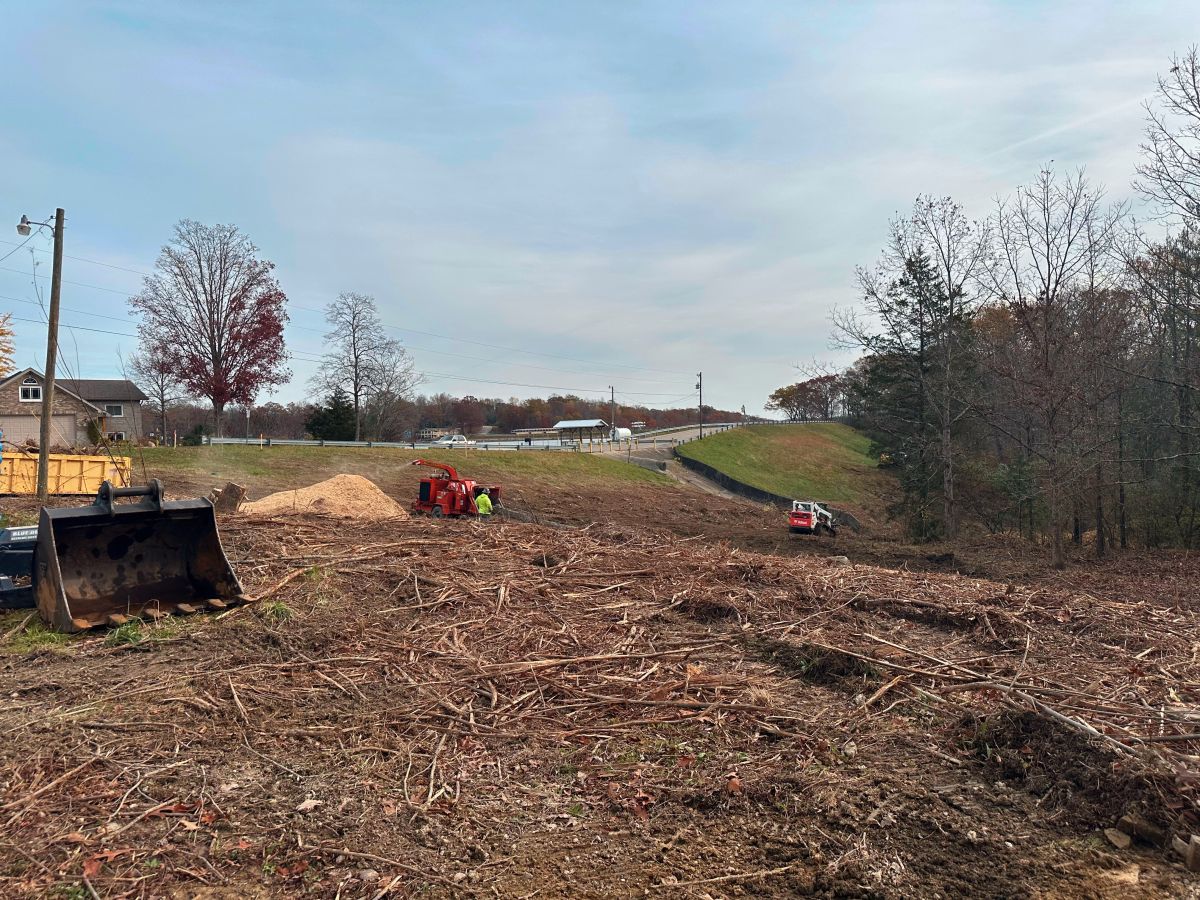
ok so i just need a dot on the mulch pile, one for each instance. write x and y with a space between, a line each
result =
466 708
342 496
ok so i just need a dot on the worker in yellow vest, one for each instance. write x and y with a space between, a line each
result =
483 503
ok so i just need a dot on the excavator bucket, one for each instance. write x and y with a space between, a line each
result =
106 563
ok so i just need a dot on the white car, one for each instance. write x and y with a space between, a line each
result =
453 440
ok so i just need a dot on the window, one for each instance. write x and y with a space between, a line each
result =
116 435
114 410
31 390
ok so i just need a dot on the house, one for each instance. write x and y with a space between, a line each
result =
115 405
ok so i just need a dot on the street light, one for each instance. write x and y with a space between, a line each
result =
25 228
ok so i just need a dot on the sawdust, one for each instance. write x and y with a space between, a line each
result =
342 496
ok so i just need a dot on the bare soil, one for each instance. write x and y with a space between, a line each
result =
644 691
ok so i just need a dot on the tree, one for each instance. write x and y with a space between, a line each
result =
335 420
389 410
1169 173
7 347
360 353
219 310
1056 249
154 369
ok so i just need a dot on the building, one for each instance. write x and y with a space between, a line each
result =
115 405
579 430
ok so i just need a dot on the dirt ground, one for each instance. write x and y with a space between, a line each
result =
701 708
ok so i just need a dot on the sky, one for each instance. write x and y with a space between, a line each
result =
605 193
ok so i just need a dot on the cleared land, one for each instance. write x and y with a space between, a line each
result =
459 708
823 461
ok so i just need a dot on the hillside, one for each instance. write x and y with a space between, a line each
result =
822 461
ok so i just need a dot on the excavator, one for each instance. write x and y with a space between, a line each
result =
446 494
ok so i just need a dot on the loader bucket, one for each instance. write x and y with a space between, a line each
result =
108 562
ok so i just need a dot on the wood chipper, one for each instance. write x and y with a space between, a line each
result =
448 495
109 562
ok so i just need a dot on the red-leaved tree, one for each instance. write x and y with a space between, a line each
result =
221 312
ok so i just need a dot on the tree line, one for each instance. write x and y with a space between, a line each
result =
1036 370
211 340
333 419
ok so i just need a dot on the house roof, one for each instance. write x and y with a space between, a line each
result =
568 424
90 390
57 386
100 389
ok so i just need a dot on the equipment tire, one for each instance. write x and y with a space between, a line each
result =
436 512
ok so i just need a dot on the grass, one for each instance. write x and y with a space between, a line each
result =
33 637
283 467
824 461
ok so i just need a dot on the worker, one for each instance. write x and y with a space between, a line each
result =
483 503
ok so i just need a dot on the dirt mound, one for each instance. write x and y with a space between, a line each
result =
342 496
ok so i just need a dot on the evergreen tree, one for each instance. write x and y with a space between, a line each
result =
335 421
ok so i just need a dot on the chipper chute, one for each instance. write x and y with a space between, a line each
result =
108 562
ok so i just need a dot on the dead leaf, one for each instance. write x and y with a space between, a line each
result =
686 761
308 805
297 868
389 808
733 785
91 867
189 825
76 837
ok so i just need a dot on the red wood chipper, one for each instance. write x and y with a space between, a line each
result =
445 494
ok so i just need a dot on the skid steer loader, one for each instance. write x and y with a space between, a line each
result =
109 562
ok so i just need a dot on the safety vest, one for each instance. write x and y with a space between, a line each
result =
483 503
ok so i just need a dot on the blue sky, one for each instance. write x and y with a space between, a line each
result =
632 191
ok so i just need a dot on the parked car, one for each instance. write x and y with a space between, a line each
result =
453 440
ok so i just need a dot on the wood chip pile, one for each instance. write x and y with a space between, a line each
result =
342 496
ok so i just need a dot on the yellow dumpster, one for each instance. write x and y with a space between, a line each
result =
68 474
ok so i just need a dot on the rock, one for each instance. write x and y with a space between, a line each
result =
1138 827
460 877
839 560
368 875
1118 839
308 805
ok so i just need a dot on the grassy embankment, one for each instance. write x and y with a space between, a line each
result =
276 468
826 461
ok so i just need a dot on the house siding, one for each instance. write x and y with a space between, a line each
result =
130 423
64 404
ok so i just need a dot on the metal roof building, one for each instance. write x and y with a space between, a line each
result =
577 428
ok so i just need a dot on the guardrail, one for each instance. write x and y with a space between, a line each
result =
654 438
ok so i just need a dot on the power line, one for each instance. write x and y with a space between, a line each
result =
390 325
94 287
94 262
18 247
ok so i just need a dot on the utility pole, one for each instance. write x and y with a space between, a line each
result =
43 475
700 388
613 411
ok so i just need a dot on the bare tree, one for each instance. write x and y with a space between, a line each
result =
389 409
1169 172
360 352
1056 245
154 369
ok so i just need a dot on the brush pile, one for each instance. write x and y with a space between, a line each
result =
466 708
